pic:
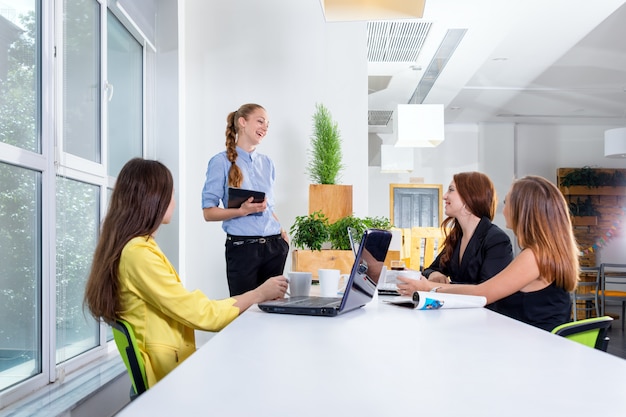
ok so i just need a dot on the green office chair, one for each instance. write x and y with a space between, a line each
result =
591 332
127 346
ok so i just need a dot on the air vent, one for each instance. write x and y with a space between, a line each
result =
396 41
379 117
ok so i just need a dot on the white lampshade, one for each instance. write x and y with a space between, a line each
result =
354 10
394 159
615 143
419 125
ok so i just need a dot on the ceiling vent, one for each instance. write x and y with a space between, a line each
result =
379 117
396 41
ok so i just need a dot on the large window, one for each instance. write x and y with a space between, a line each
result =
20 197
81 79
125 92
77 220
71 114
20 274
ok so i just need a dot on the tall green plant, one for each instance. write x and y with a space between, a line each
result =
325 161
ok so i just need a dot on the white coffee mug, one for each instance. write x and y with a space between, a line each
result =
329 282
299 283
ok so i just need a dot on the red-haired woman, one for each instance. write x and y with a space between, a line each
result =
474 249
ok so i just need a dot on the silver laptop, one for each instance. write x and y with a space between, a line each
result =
360 287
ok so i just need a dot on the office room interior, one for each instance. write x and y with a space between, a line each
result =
210 57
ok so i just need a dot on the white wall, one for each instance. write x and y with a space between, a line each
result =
282 55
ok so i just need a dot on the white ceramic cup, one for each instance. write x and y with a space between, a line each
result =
329 282
299 283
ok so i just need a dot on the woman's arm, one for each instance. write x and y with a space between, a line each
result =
521 274
436 276
271 289
212 214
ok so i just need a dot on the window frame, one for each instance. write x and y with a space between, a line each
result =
50 161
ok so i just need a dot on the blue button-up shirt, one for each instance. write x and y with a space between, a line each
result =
258 174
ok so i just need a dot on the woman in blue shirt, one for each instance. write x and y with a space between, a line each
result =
256 245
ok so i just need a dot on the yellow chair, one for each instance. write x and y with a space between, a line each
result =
426 243
590 332
127 346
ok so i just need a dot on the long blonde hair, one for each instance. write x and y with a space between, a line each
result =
235 176
540 219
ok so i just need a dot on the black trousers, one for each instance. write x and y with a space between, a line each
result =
251 260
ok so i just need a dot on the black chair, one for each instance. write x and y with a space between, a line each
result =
127 346
591 332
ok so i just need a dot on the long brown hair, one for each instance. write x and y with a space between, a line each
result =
539 216
140 198
479 195
235 177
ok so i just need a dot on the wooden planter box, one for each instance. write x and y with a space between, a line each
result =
311 261
334 200
584 190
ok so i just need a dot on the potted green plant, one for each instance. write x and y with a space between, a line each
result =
324 245
337 231
325 166
309 232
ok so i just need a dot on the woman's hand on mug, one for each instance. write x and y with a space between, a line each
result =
273 288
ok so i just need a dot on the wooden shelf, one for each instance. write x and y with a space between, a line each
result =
584 190
585 220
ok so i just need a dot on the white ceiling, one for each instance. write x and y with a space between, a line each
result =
520 61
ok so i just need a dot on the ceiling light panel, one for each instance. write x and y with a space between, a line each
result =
396 41
443 54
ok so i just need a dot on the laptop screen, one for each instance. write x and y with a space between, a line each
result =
354 244
367 268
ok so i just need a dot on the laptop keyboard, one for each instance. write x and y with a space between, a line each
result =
388 288
318 302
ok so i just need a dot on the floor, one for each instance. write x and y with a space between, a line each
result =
617 342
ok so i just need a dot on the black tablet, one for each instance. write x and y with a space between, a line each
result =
237 196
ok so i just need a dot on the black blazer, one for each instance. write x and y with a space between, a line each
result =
488 252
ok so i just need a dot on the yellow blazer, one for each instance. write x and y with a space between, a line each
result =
162 313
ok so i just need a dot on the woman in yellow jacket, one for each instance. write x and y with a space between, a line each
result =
131 279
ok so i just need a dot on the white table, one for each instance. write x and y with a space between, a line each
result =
385 360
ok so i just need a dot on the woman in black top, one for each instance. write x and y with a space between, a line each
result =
474 249
535 287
